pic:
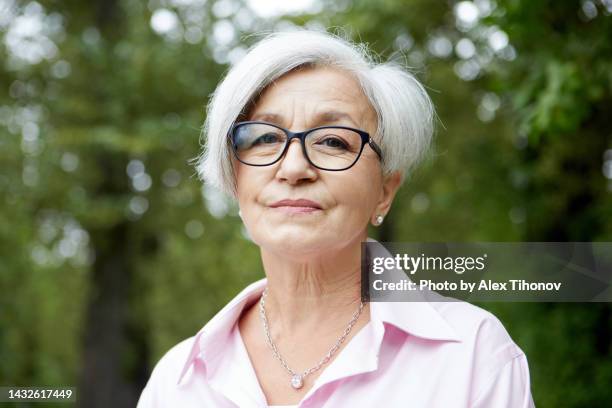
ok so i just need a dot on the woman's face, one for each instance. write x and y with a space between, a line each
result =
344 201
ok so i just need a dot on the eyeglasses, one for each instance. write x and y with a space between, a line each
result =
332 148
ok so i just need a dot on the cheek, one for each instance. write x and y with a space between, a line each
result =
246 187
247 182
357 195
250 185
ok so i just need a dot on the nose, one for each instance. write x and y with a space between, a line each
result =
294 167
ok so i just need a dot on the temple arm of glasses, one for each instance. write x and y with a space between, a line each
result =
375 147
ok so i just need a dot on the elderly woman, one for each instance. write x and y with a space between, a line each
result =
313 139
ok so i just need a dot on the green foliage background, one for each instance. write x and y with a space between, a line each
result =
102 271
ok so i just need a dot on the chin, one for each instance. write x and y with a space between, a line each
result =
296 242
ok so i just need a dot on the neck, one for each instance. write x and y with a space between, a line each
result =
320 293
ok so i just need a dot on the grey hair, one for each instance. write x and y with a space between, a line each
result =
405 113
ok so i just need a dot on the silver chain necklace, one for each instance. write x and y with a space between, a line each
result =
297 379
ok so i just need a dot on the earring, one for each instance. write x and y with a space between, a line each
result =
379 220
240 213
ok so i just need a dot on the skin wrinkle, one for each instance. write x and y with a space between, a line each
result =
322 118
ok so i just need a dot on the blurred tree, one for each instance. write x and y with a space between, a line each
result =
109 121
561 90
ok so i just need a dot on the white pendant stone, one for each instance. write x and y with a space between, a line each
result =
296 381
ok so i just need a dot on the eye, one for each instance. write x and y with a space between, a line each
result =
267 138
333 142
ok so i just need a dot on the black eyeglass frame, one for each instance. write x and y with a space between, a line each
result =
365 139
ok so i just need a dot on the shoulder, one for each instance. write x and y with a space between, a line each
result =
174 359
218 327
481 332
169 367
497 366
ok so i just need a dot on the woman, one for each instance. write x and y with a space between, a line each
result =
302 337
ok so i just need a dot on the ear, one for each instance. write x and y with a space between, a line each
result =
391 183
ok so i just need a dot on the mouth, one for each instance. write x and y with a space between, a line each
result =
300 206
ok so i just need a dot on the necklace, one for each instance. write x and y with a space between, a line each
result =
297 379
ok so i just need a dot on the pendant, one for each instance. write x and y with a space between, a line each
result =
296 381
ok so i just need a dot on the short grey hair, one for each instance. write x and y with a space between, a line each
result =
405 113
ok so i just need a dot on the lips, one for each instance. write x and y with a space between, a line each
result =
300 203
297 207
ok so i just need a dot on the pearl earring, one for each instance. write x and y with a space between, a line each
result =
240 213
379 220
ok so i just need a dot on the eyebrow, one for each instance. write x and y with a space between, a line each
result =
320 118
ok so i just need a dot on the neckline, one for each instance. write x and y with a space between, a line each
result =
244 354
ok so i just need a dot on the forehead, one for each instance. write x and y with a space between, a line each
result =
332 92
324 80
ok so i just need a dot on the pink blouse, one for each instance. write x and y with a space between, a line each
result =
410 354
